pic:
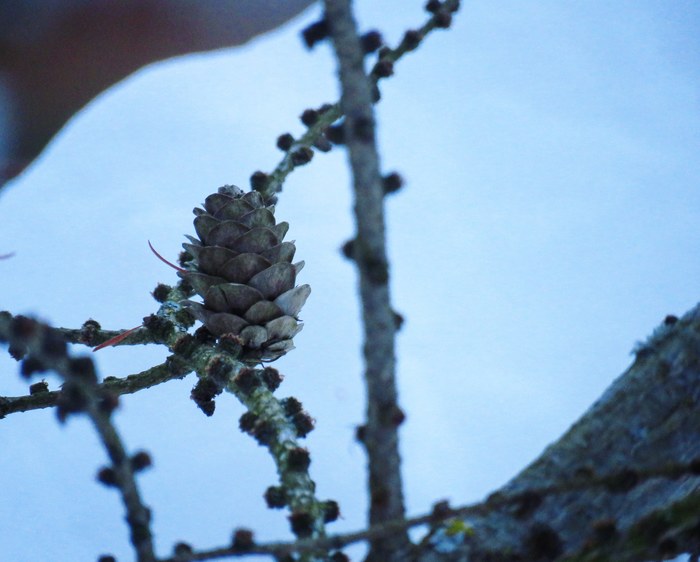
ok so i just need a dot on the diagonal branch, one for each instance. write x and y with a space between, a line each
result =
275 424
329 114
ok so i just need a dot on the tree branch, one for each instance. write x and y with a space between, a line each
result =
80 393
92 335
330 113
275 424
648 419
518 503
169 370
380 433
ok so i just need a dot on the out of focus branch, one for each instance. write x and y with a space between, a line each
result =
92 335
44 349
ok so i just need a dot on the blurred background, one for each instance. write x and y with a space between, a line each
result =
549 221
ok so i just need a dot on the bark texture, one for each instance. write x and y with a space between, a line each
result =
621 485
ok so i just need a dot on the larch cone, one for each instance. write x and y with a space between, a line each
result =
242 268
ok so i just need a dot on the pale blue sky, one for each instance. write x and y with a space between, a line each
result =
549 221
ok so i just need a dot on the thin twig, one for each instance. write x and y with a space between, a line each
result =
380 433
131 384
333 112
90 334
277 177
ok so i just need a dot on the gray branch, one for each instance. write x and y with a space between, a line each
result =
380 433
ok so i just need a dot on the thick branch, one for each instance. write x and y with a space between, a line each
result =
648 418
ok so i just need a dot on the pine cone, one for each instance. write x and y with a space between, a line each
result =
242 269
